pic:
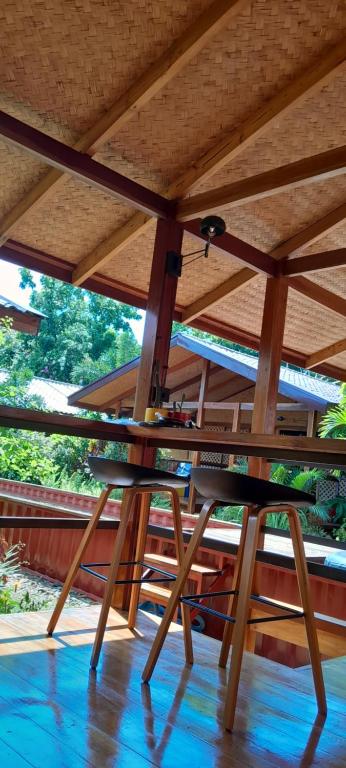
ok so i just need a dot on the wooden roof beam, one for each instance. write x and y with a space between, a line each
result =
319 167
82 167
230 245
318 294
315 262
190 43
326 353
220 154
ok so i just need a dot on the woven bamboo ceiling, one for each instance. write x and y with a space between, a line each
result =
235 107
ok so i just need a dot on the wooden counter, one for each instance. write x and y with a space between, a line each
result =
310 450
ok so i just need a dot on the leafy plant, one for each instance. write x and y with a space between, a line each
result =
331 511
22 457
333 423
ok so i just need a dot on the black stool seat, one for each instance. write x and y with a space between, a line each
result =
125 475
235 488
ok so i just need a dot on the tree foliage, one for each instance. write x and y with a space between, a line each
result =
83 335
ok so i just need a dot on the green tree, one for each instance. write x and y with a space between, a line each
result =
80 334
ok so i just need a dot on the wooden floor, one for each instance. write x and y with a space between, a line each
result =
54 713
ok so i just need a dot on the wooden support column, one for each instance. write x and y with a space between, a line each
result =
311 424
155 351
159 314
196 458
235 428
270 353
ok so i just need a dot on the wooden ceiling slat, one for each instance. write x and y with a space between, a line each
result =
325 354
145 88
319 167
315 262
221 153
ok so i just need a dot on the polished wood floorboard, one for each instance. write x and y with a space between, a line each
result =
54 712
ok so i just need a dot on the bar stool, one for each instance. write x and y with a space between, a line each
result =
259 497
136 481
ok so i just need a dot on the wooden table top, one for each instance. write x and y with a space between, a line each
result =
311 450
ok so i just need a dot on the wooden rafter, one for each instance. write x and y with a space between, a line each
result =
319 167
315 262
310 234
325 354
232 285
82 167
318 294
220 154
145 88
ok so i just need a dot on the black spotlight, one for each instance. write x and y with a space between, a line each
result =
212 226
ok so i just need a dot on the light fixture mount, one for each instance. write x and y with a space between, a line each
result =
210 227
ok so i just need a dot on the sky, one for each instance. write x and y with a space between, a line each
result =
10 287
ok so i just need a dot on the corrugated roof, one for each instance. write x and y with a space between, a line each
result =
294 384
9 304
53 393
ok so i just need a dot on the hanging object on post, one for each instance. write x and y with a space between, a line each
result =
210 227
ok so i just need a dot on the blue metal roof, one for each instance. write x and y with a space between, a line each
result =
297 385
300 387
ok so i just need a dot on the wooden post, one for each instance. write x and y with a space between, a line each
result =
270 351
196 458
155 351
159 314
311 424
266 391
235 428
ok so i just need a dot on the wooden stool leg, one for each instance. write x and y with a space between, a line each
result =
182 577
179 545
239 632
140 549
78 558
125 512
233 600
304 589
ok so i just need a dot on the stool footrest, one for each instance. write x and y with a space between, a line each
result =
165 575
192 600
